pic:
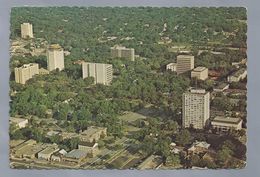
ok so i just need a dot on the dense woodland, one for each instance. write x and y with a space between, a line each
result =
84 31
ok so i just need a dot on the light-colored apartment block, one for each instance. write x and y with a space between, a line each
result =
200 73
26 30
102 73
55 57
171 67
123 52
184 63
25 72
226 123
195 108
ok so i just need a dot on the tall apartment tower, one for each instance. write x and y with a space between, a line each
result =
184 63
102 73
26 30
25 72
123 52
55 57
195 108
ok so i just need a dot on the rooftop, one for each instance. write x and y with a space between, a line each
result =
50 149
28 65
17 120
198 91
230 120
92 130
54 46
185 56
238 72
199 69
76 154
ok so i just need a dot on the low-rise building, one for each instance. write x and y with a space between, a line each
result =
91 148
28 149
200 73
221 87
93 134
57 156
75 156
46 153
172 67
224 124
43 71
19 122
238 75
198 147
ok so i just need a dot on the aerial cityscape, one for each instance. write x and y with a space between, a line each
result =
128 88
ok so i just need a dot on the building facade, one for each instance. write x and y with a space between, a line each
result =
123 52
195 108
184 63
201 73
224 124
102 73
25 72
55 57
26 30
171 67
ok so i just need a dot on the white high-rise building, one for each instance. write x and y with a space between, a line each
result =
25 72
184 63
195 108
55 57
102 73
26 30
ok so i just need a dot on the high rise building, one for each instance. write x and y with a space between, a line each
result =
102 73
26 30
200 73
55 57
25 72
184 63
195 108
123 52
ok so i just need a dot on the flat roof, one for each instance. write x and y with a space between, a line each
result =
76 154
230 120
199 69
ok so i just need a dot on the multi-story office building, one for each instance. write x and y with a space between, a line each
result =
25 72
123 52
26 30
55 57
102 73
184 63
171 66
195 108
200 73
